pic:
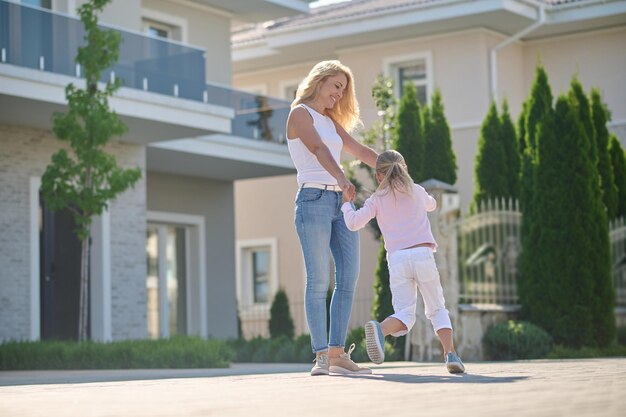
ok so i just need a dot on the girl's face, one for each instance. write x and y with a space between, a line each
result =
331 90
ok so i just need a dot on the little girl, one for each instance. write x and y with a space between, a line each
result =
400 208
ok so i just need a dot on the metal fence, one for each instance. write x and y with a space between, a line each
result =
617 234
490 244
255 321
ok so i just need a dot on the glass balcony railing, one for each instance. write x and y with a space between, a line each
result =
48 41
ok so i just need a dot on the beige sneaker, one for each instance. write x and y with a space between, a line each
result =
344 365
321 365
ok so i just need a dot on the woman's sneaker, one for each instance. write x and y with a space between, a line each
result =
454 364
321 365
375 342
344 365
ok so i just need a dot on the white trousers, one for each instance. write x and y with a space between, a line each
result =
410 270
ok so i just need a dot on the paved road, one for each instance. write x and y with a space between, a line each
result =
589 387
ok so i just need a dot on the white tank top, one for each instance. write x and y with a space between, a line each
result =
308 167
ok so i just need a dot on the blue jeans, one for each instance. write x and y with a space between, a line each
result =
322 231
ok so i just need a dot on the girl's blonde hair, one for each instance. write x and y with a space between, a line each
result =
391 165
345 111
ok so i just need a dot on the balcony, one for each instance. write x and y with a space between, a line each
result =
164 94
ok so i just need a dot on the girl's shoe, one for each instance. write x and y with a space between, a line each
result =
454 364
344 365
321 365
375 342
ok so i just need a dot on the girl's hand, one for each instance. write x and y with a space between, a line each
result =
349 191
345 198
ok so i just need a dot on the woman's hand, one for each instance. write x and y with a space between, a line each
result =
349 190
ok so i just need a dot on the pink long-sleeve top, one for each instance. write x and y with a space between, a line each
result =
402 220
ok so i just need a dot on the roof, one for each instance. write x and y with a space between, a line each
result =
349 10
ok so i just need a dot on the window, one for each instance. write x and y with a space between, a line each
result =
416 69
166 281
157 30
288 88
257 282
163 25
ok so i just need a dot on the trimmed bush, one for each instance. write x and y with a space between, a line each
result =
177 352
281 323
516 340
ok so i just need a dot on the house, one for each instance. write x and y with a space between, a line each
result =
473 51
163 254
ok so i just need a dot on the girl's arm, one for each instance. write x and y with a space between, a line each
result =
300 125
357 219
355 148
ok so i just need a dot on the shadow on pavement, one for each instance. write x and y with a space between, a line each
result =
429 379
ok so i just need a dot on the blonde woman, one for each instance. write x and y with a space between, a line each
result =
400 208
324 111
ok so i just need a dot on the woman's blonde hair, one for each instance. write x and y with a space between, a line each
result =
346 111
390 164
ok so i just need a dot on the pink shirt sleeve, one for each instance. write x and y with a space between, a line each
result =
357 219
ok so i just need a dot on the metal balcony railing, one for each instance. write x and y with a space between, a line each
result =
41 39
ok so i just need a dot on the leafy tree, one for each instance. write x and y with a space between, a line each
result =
408 133
490 165
281 323
600 115
88 180
439 158
509 141
618 162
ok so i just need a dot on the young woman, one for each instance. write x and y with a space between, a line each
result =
400 208
324 111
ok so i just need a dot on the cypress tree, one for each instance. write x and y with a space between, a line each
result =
381 306
537 107
561 299
508 138
439 158
408 133
281 322
599 114
618 162
597 226
490 165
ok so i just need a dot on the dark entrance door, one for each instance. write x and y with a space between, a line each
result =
60 275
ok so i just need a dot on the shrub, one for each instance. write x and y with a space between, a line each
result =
516 340
176 352
281 322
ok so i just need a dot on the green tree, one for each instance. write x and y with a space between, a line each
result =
88 180
439 158
618 162
281 323
537 108
490 165
381 306
600 115
599 252
508 138
408 133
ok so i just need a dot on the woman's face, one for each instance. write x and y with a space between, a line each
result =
332 90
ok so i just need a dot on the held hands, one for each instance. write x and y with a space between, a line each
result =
349 191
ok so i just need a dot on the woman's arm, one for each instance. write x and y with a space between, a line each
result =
300 125
355 148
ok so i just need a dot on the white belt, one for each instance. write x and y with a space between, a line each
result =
322 186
